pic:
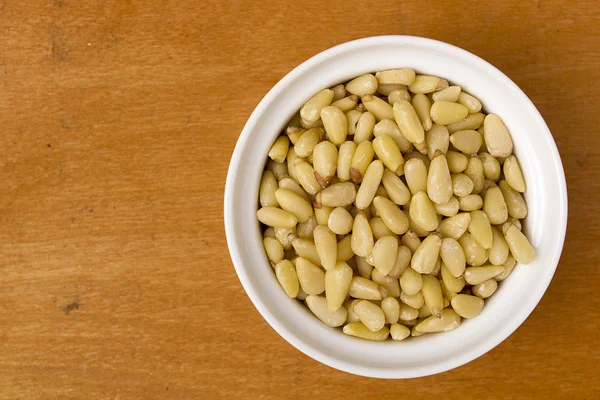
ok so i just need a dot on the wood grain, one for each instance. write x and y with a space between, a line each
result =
118 121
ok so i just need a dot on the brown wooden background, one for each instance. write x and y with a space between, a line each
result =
118 119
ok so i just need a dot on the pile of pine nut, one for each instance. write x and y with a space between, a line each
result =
392 206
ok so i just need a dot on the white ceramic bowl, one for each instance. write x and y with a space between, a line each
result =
516 297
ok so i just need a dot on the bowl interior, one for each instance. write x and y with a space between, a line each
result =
516 296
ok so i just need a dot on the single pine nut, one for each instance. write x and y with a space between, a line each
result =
485 289
467 306
415 301
432 293
451 94
362 237
340 221
311 110
399 332
279 149
388 127
388 152
475 254
515 222
411 282
454 227
325 157
513 175
457 162
448 209
427 84
358 329
337 195
516 205
346 104
472 104
395 188
470 202
446 321
322 214
439 182
472 121
344 249
422 212
518 244
369 185
268 186
410 126
391 285
318 306
378 107
363 85
370 314
361 160
286 275
491 167
462 185
346 153
397 95
446 113
391 215
384 254
363 288
363 267
498 253
295 204
474 171
453 256
326 245
306 143
306 248
276 217
422 105
476 275
415 172
467 141
309 125
408 313
401 263
450 282
379 228
364 128
274 249
411 240
291 184
494 205
497 138
402 76
337 283
387 88
437 138
291 164
352 118
311 277
427 254
335 124
306 176
481 229
278 169
508 265
339 92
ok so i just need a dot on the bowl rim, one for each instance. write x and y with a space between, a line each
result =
233 171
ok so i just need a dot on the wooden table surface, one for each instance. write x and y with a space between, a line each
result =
118 122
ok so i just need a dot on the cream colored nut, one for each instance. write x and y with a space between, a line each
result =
311 277
349 305
453 256
370 184
286 275
279 149
446 113
352 118
344 249
470 202
274 249
345 155
516 205
474 171
322 214
391 285
494 205
415 172
326 245
391 309
278 169
379 228
439 181
307 141
337 283
325 162
448 209
462 185
476 275
358 329
457 162
318 306
518 244
291 164
268 186
295 204
364 128
311 110
396 189
397 95
427 84
447 320
450 282
451 94
437 138
515 222
498 253
391 215
339 92
454 227
290 184
408 313
337 195
415 301
284 235
387 88
340 221
508 265
370 315
388 152
384 254
427 254
363 288
414 332
416 228
335 123
467 306
481 229
472 104
276 217
402 262
467 141
362 85
411 240
402 76
485 289
411 282
361 160
347 103
408 121
363 267
362 237
497 138
432 293
399 332
491 167
306 176
387 127
472 121
422 212
421 104
513 175
305 248
475 254
378 107
309 125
